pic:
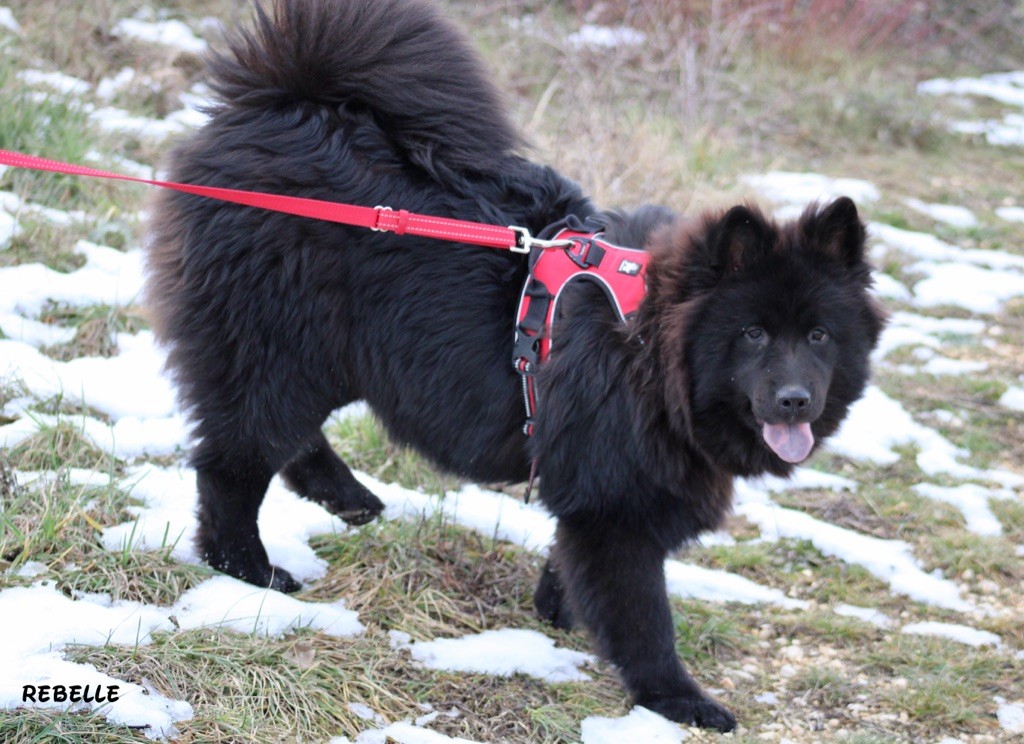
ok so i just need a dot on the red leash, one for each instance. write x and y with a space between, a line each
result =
622 277
400 222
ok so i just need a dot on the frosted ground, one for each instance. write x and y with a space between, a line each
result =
136 420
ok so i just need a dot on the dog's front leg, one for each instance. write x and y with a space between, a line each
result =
614 581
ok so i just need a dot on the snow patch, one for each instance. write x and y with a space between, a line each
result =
9 229
503 653
174 34
226 602
8 22
403 732
694 582
948 214
867 614
1010 716
109 277
1003 87
1013 398
940 365
954 632
862 437
927 247
972 501
890 288
980 290
641 725
606 37
1011 214
789 188
890 560
39 622
58 82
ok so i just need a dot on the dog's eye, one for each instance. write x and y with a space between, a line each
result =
818 336
754 333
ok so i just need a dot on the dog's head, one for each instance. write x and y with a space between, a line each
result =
763 332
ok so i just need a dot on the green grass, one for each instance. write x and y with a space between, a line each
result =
60 446
54 523
823 687
959 551
34 726
48 123
948 689
427 575
96 328
706 634
41 242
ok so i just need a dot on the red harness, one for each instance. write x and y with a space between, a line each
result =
619 271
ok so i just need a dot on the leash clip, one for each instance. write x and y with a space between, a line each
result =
525 242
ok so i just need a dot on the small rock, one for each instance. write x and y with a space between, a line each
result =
987 586
793 652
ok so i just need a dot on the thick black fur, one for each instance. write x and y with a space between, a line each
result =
274 321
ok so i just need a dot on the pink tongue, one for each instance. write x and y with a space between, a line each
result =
791 442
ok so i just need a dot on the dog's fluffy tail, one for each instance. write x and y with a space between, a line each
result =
398 60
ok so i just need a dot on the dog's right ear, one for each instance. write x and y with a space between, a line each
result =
741 236
694 255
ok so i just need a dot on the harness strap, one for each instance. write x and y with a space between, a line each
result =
619 271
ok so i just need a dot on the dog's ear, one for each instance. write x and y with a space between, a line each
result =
694 255
836 230
740 237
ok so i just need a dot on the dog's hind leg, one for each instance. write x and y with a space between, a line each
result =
231 488
614 580
549 599
318 474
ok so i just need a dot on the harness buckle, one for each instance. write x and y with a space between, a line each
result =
525 242
590 253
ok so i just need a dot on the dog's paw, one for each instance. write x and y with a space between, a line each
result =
274 578
356 505
258 574
696 711
356 517
282 581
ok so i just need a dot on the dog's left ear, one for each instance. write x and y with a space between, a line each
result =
742 237
836 230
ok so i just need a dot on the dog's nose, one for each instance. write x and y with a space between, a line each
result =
792 399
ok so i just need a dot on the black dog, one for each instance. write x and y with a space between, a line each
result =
750 345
